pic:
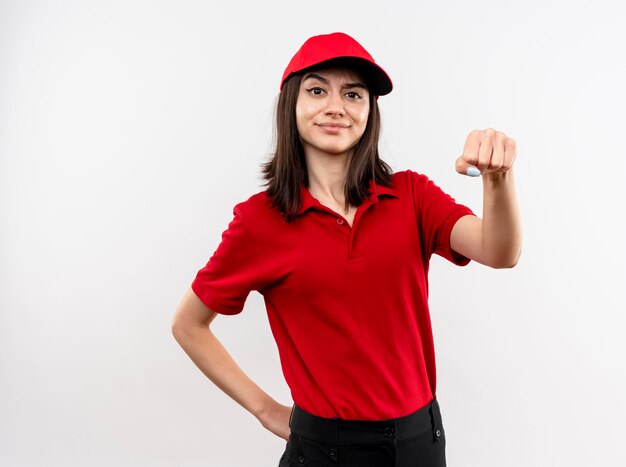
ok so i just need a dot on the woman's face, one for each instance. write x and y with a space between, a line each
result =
331 111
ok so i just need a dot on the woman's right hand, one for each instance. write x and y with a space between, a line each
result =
275 418
191 328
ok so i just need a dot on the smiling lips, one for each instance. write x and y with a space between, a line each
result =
333 127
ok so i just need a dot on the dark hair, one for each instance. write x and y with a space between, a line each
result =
286 171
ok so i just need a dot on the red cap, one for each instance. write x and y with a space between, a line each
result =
340 49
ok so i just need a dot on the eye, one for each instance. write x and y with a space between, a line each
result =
316 91
353 95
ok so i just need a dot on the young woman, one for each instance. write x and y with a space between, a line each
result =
339 246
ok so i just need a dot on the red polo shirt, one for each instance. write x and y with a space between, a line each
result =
348 306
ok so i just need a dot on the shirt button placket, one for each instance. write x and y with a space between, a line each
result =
339 221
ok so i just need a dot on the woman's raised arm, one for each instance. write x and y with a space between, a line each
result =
496 239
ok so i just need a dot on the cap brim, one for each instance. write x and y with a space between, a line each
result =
376 79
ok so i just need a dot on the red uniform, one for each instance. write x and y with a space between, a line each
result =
348 306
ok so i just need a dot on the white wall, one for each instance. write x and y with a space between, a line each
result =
129 129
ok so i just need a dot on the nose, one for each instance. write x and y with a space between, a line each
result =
334 105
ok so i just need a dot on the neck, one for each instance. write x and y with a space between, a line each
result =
327 175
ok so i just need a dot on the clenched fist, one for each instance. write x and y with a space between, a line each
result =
486 151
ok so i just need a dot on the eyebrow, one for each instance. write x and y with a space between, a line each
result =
324 80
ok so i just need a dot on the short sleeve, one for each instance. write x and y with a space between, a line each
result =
437 212
224 284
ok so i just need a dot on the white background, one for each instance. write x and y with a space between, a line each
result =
128 131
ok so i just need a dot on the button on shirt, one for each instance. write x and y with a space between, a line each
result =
347 305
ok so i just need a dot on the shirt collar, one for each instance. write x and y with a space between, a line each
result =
376 190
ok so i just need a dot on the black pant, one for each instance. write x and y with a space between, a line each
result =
417 440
